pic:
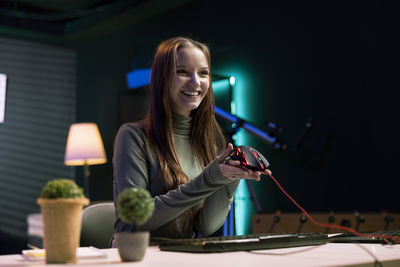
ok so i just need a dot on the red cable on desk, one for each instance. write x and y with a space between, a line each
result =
395 239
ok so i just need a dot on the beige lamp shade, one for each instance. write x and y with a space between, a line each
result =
84 145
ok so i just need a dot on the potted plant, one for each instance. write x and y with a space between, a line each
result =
135 207
61 202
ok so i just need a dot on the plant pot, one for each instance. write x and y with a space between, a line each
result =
132 245
62 219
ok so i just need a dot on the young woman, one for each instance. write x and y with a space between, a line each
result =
174 152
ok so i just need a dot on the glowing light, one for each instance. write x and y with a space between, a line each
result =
243 209
3 82
138 78
221 86
232 80
233 107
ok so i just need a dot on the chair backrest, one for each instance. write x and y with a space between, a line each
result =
97 225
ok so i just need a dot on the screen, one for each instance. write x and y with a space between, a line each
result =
3 82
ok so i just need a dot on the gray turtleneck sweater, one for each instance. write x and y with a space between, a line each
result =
207 189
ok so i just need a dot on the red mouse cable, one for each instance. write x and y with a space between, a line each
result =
395 239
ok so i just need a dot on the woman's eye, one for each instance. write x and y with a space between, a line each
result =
180 71
204 73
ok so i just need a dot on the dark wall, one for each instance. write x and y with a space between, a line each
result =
336 65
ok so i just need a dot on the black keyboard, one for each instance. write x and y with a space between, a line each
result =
352 238
244 242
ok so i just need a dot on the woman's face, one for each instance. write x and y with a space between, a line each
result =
191 82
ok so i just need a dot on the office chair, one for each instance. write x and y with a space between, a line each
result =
97 225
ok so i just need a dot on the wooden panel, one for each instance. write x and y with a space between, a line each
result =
292 222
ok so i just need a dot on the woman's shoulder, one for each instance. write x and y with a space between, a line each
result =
135 130
137 126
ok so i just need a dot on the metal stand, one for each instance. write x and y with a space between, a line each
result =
86 179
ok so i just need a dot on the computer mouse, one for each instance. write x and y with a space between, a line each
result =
249 158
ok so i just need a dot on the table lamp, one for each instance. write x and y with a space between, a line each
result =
84 147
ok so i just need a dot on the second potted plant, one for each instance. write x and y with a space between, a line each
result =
135 206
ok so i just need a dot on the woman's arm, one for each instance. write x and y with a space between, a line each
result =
215 209
216 206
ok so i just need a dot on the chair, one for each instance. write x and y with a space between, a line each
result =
98 225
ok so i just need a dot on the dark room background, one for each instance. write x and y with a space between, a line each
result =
335 65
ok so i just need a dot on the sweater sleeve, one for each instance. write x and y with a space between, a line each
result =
215 209
131 169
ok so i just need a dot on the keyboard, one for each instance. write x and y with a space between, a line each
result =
352 238
244 242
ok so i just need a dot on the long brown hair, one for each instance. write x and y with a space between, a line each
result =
206 136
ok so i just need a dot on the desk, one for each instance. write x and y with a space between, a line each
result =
331 254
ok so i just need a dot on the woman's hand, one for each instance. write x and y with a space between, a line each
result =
232 169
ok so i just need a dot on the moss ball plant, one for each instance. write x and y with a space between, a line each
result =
135 206
61 188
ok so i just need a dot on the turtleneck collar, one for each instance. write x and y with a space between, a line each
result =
182 125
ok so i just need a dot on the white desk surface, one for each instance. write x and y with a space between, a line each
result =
331 254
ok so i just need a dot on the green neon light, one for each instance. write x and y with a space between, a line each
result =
243 204
221 86
244 208
233 107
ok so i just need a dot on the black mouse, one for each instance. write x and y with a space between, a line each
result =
249 158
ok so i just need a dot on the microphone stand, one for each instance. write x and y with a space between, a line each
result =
241 123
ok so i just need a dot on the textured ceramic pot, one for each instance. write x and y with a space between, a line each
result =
62 219
132 245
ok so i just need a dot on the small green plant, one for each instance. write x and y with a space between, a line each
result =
135 206
61 188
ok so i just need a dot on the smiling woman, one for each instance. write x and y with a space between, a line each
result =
177 153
